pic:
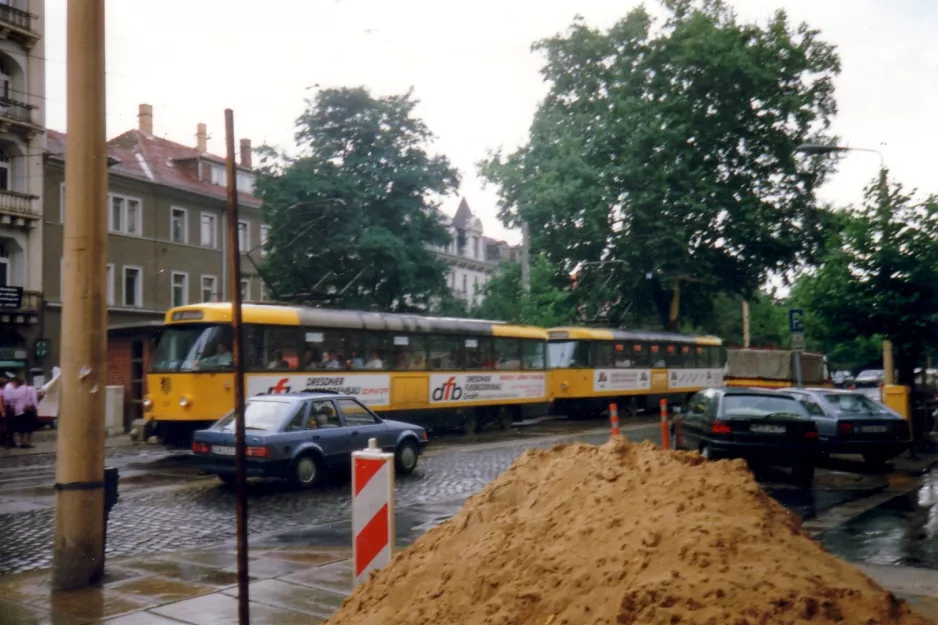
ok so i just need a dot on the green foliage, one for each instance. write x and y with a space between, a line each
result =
546 305
352 215
768 321
880 276
672 150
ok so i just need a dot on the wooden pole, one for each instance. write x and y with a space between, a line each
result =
745 324
234 277
78 551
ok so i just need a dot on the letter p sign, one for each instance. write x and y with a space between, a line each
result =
796 320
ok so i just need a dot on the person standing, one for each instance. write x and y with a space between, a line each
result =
14 395
6 431
30 417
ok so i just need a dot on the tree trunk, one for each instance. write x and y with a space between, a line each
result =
674 316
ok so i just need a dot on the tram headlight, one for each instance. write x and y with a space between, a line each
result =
185 401
147 404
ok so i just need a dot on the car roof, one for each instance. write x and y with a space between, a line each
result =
751 390
303 395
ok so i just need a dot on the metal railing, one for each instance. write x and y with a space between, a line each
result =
13 105
19 204
16 17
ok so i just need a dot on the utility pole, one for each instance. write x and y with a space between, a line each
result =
525 258
77 558
746 324
889 367
237 352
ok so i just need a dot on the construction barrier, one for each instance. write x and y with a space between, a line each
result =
614 419
665 427
372 510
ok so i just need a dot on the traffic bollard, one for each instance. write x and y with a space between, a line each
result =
372 510
111 479
665 434
614 419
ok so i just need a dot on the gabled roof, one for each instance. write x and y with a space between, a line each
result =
463 217
156 160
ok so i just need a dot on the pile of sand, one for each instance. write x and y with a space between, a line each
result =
620 534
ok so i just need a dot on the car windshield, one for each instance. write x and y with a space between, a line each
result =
868 378
854 403
193 347
259 415
760 406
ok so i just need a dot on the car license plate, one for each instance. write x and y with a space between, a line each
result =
874 429
220 450
767 429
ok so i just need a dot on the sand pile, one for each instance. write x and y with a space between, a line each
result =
620 534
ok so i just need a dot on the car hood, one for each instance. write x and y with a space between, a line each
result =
401 425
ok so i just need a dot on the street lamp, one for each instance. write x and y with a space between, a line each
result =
819 149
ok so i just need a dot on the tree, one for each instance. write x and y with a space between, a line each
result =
671 150
768 320
546 304
880 276
353 215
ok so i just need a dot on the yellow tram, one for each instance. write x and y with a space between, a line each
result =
433 371
590 368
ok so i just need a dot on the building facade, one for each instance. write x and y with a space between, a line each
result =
472 257
22 123
166 244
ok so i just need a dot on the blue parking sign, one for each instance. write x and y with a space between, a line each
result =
796 320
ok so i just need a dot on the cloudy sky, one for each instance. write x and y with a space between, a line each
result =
471 66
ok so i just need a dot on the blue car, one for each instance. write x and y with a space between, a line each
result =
849 422
301 436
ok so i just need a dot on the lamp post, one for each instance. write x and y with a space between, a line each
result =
818 149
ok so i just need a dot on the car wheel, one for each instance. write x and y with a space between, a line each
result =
405 459
471 422
307 470
877 459
707 453
803 474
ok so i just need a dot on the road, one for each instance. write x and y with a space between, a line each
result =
165 504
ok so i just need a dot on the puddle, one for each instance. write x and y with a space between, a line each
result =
186 572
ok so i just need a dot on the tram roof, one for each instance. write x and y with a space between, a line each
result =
271 314
613 334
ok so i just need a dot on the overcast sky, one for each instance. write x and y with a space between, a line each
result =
472 69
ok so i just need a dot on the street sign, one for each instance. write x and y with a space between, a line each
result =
796 320
42 348
11 297
797 341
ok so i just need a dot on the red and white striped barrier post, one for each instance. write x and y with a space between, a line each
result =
372 509
665 434
614 419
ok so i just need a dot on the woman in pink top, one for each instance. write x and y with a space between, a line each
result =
30 415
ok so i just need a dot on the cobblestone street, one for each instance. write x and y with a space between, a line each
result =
202 512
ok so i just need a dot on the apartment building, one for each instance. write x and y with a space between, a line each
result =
472 257
22 122
166 244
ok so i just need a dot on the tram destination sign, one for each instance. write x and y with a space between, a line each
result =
11 297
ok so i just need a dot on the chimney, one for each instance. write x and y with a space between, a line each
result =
246 153
201 135
145 118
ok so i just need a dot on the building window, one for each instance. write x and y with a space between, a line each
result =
110 285
245 290
178 225
133 287
125 215
5 176
475 247
180 289
209 289
245 182
219 175
209 228
62 203
4 266
465 284
262 291
244 236
265 232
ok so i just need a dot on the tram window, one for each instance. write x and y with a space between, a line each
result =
445 353
532 354
408 351
374 351
356 353
601 355
715 357
640 355
323 349
701 357
568 354
688 361
478 353
506 354
657 356
271 348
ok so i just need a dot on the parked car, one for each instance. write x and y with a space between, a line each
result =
869 382
842 379
759 425
301 436
849 422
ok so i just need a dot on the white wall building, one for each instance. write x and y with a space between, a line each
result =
22 142
472 257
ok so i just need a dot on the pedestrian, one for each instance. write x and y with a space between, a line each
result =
30 419
6 431
14 394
